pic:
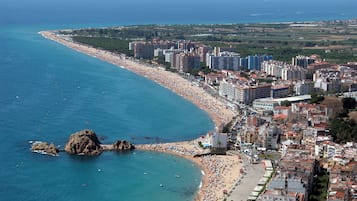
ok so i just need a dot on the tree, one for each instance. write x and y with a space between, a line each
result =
343 131
285 103
349 103
227 127
316 98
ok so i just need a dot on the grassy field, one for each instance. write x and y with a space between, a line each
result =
335 41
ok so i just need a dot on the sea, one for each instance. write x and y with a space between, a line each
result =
48 92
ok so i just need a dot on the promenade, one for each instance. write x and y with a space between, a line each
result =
247 182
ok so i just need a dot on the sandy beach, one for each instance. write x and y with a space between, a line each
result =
217 110
220 173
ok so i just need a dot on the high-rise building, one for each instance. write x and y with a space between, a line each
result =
224 61
254 61
328 80
143 50
303 87
293 73
243 93
187 61
243 63
302 61
202 51
283 71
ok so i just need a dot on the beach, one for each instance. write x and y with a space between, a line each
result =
216 109
220 172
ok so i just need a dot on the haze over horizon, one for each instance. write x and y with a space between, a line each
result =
159 11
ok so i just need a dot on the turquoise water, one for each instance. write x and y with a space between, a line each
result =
48 91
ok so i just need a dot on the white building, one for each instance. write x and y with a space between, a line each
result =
283 70
264 104
303 87
224 61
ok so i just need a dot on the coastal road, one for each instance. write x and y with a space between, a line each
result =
242 190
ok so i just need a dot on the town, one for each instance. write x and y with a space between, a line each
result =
298 118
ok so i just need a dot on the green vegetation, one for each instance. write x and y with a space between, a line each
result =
243 74
349 103
319 188
316 98
227 128
343 128
110 44
285 103
265 80
334 41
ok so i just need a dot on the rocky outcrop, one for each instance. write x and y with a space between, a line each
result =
84 142
44 148
122 146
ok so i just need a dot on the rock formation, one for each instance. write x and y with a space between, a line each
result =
122 146
84 142
44 148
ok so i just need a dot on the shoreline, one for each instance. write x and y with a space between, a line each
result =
219 172
217 110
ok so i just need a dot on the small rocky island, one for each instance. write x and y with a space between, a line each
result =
84 142
44 148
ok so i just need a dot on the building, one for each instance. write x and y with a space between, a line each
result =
329 85
202 52
270 103
247 94
146 50
254 61
186 61
302 61
279 91
243 63
228 90
170 55
219 143
158 52
224 61
272 136
282 70
293 73
264 105
143 50
243 93
284 189
272 67
303 87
